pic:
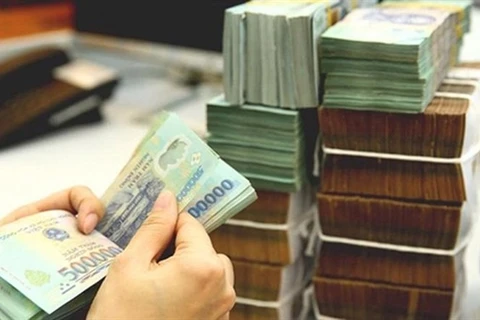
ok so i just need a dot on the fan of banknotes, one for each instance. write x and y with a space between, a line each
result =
69 265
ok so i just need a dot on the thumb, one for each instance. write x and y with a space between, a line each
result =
157 230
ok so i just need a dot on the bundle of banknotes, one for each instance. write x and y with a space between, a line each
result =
274 230
267 291
272 147
387 59
406 217
170 157
270 241
460 8
356 282
271 50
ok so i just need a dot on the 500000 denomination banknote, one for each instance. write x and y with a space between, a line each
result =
173 157
47 259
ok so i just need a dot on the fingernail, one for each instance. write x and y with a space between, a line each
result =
163 201
90 223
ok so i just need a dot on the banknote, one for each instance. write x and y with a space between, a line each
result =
15 305
49 261
172 157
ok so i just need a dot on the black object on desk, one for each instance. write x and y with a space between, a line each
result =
43 90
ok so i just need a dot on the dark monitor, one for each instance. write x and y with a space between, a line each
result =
194 24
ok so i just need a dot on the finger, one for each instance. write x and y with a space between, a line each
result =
191 235
156 231
228 266
78 200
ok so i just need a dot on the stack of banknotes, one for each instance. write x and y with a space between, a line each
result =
69 266
272 246
397 206
272 147
387 59
271 50
460 8
267 241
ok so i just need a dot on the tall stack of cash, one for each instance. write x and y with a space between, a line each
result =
398 203
269 242
170 157
271 50
266 127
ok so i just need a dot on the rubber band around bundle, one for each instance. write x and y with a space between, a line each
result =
271 226
401 248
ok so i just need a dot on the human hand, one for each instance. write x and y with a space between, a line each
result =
194 283
78 200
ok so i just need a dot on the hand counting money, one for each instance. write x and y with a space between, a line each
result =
172 157
48 269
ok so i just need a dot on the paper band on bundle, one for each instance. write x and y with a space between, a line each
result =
271 226
400 248
271 304
404 157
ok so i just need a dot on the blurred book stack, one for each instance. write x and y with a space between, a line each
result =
266 126
398 198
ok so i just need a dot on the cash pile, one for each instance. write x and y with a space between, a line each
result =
387 59
272 245
266 127
460 8
170 157
397 206
271 50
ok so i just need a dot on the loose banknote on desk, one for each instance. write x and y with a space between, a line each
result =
48 270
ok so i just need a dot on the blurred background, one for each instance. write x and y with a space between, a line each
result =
141 60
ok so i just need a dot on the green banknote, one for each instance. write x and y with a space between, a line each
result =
45 262
172 157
